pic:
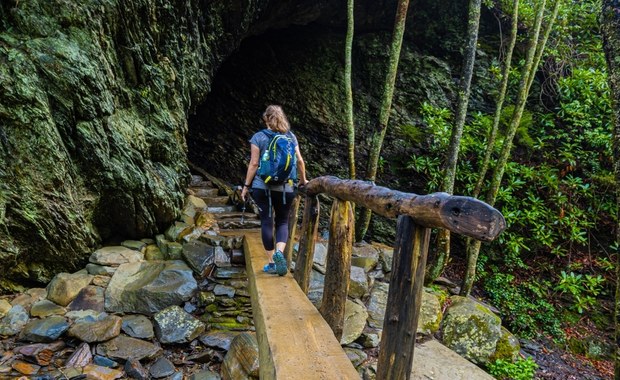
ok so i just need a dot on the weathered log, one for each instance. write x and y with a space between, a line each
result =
309 229
292 230
404 300
337 275
462 215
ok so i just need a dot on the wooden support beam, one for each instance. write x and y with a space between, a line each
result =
309 229
337 275
462 215
292 229
404 300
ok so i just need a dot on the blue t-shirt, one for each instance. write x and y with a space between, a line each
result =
261 140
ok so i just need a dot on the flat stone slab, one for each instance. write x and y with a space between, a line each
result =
433 360
115 255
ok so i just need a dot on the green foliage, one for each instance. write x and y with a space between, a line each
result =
582 288
522 369
524 305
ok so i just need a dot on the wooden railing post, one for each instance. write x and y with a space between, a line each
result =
404 300
292 229
305 256
338 271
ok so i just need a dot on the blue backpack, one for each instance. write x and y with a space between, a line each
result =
278 164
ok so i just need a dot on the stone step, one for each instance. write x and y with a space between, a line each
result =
205 192
236 215
199 181
236 224
214 201
221 209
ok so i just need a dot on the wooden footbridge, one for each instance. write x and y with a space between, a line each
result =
297 341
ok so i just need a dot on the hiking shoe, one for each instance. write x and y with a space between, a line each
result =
280 261
270 268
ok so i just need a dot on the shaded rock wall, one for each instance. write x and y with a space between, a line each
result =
93 108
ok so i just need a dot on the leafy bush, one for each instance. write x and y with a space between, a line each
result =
582 288
522 369
524 305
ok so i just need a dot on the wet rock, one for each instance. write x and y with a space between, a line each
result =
219 339
371 339
104 362
507 347
149 287
115 256
174 325
205 375
101 281
100 270
45 308
176 376
365 256
377 303
161 368
320 256
221 258
125 348
14 321
230 273
316 287
355 316
471 329
241 361
386 255
41 354
80 357
37 294
192 205
25 368
78 315
153 253
135 370
226 242
89 298
24 300
430 315
5 306
97 331
64 287
358 286
138 326
355 355
198 255
174 250
206 298
93 371
223 290
136 245
44 330
177 231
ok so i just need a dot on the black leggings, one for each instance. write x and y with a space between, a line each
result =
279 215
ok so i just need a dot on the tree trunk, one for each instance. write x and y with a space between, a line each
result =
610 27
500 101
473 24
384 112
348 89
533 56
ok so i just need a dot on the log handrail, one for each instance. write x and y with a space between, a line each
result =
462 215
416 215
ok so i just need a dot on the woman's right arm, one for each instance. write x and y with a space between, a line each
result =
252 167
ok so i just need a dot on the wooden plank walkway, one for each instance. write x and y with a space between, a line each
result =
294 340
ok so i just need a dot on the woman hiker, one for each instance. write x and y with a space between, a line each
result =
273 201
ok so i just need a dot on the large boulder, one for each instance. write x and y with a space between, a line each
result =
355 316
471 329
432 360
430 315
65 287
150 286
